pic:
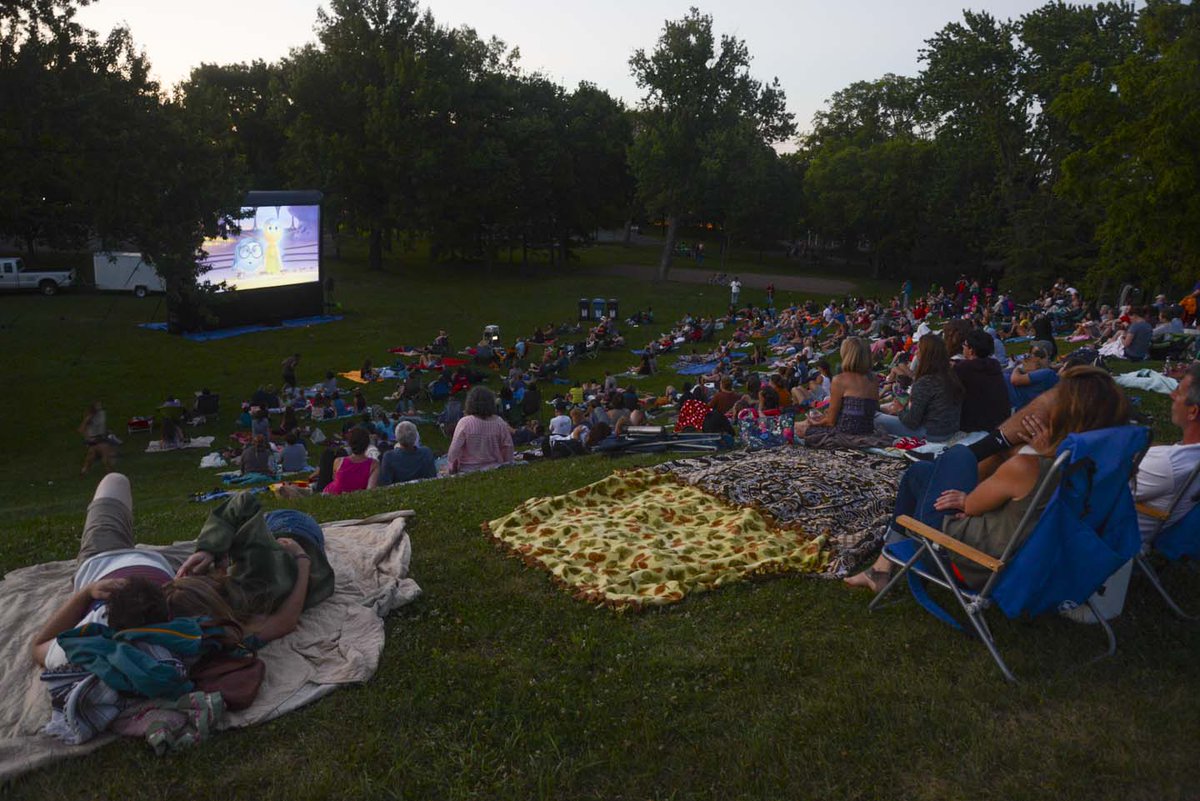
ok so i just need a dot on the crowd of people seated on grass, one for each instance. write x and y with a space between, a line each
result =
938 367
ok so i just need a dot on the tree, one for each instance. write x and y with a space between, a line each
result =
245 104
696 94
90 148
357 126
1140 160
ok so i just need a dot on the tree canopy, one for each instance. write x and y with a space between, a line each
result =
1062 142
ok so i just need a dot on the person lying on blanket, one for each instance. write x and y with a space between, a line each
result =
253 572
948 494
258 570
115 583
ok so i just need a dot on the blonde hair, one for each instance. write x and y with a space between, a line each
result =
856 356
204 596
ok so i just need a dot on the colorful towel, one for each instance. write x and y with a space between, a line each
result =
640 539
355 376
843 497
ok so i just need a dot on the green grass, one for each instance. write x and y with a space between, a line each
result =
497 685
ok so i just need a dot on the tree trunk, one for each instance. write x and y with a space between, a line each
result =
668 251
628 233
375 249
725 250
564 247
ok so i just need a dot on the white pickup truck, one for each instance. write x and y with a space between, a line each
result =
13 275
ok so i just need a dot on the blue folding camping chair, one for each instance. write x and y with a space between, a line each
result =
1087 530
1179 541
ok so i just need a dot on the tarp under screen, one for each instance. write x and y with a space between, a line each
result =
237 331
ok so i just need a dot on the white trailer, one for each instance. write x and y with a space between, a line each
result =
126 272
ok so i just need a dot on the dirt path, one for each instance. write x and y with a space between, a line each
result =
791 283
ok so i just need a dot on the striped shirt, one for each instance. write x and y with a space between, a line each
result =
479 444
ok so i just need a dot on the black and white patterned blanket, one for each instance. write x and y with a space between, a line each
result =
846 495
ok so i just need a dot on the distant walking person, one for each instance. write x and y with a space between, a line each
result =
699 253
95 438
905 293
735 290
289 371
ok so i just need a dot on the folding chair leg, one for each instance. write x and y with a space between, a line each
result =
985 634
1151 574
1108 631
975 615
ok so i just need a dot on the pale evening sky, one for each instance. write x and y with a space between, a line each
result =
814 47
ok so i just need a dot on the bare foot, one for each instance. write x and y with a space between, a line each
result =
872 579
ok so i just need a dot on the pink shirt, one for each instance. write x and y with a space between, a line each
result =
350 477
479 444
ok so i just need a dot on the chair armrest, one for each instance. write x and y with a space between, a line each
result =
962 549
1148 511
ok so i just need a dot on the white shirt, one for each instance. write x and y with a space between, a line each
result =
1162 471
735 286
560 427
96 568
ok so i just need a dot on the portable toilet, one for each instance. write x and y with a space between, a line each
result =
612 308
584 309
597 308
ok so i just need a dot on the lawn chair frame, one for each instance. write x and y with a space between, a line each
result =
933 546
1191 484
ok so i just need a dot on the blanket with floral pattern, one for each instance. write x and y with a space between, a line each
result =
644 539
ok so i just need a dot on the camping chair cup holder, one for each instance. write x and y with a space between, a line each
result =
1054 560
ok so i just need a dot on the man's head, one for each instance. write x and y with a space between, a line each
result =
406 435
980 343
137 602
1185 405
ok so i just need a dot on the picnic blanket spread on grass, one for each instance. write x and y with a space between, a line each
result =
1148 380
338 642
355 376
844 497
156 446
644 539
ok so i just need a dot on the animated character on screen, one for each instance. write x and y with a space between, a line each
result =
247 257
272 234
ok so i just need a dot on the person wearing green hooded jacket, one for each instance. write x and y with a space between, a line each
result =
260 569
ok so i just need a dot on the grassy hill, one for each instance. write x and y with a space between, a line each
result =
497 685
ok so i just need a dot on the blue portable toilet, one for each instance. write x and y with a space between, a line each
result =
584 309
612 309
597 308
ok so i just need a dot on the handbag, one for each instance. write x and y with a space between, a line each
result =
236 678
758 432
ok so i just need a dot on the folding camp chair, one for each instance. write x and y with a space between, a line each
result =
1055 560
1173 542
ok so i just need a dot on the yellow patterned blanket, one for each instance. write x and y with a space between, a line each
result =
642 539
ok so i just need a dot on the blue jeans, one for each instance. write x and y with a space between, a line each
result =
297 525
923 482
890 424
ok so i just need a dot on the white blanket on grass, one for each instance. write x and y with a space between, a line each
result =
156 446
1148 380
338 642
